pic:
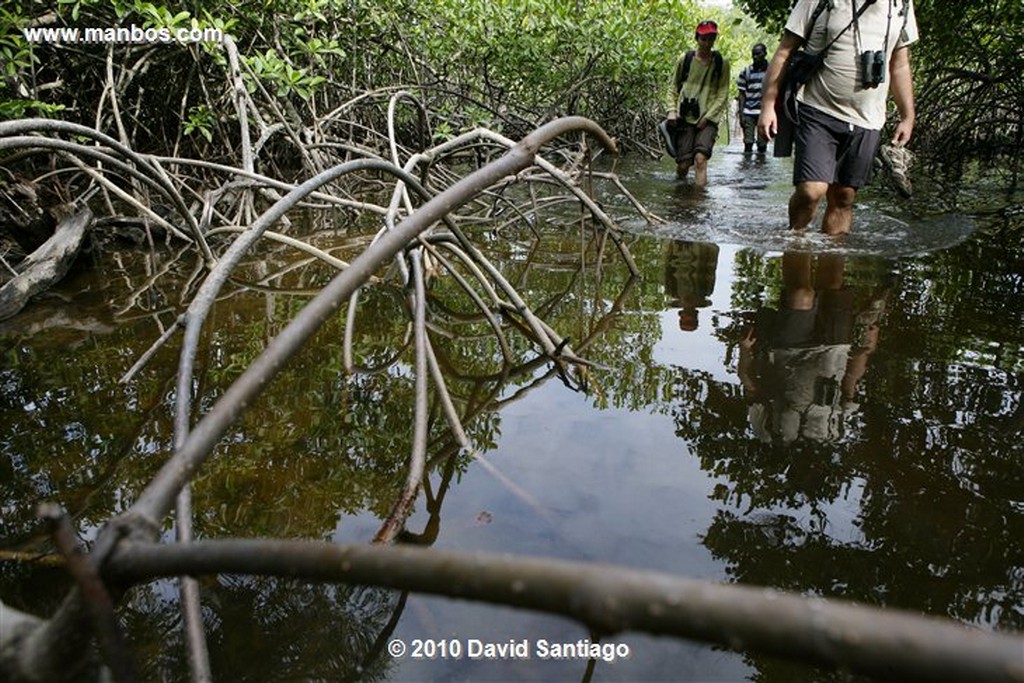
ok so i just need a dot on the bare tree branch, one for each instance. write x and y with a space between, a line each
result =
156 500
885 643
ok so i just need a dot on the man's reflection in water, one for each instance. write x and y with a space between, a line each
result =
800 365
690 278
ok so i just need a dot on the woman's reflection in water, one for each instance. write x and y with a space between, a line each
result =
800 364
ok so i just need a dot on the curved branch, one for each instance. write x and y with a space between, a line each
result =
418 458
885 643
289 241
238 97
200 306
485 310
11 128
269 182
156 500
392 104
75 149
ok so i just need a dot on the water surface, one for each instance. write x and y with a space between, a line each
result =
832 417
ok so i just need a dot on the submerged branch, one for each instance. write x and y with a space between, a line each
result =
39 641
140 167
418 458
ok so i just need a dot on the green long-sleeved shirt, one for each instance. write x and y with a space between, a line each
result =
712 95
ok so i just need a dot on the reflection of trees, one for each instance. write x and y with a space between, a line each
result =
85 467
930 468
271 629
273 447
265 633
302 454
322 439
288 469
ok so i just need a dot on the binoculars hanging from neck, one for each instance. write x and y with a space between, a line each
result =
872 68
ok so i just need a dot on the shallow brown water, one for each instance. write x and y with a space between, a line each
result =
832 418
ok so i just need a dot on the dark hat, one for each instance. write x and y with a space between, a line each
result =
707 28
759 50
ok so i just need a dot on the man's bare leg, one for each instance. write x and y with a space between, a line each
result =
701 171
839 210
830 272
797 288
803 203
682 168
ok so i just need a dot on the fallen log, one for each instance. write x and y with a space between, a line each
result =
46 265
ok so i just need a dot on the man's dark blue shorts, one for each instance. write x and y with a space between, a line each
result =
833 151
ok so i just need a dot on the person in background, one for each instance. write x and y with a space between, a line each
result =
842 108
749 83
698 103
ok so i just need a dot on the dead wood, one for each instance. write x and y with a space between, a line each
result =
45 266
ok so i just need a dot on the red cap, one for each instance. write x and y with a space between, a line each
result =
707 28
688 319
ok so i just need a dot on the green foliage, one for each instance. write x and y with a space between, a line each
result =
504 64
501 64
771 14
605 60
200 120
970 93
72 8
18 108
15 52
161 17
286 78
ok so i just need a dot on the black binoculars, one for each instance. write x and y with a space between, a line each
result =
689 107
872 68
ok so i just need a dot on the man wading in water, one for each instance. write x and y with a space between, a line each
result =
748 101
697 103
866 50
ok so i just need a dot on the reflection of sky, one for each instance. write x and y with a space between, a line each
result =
598 485
619 486
610 486
699 349
622 487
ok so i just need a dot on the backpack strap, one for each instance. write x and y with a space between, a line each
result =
818 9
821 7
853 22
906 16
683 70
